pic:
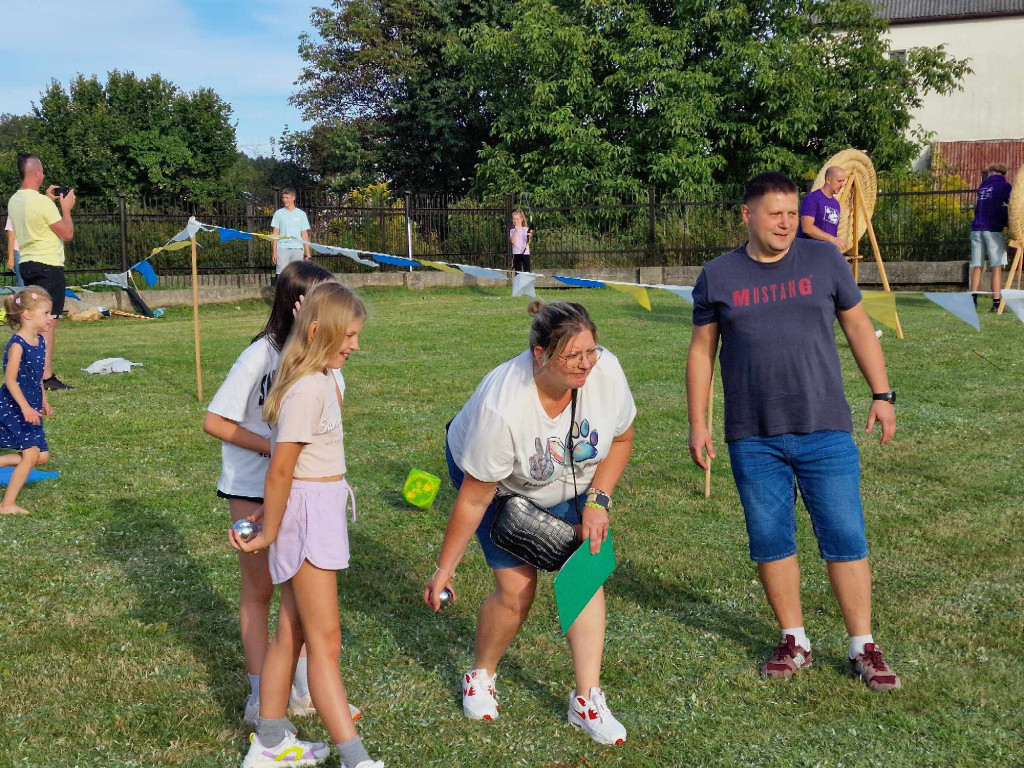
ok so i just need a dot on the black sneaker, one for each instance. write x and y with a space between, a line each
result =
995 304
54 383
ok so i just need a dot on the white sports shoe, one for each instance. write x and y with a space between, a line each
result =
302 706
290 752
479 699
366 764
593 717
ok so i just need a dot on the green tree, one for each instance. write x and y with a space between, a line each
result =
134 136
380 68
601 98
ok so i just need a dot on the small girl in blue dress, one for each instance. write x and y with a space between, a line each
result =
22 398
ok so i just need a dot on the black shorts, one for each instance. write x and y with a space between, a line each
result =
49 278
253 499
520 262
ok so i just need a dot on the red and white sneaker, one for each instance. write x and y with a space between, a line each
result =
593 717
479 698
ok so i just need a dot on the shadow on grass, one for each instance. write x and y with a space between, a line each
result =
172 587
393 584
690 606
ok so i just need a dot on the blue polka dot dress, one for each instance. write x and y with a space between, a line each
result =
15 432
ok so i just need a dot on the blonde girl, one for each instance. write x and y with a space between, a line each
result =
22 397
520 236
304 526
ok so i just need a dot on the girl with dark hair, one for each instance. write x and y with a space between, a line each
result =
235 416
518 432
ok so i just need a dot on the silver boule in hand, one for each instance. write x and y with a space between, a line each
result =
445 598
246 529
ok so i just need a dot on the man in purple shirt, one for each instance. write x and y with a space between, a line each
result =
819 212
990 216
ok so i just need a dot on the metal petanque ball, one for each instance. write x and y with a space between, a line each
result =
246 529
445 598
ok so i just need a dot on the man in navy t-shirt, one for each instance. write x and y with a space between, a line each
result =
990 216
773 303
819 212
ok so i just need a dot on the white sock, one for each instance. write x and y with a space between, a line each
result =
799 637
301 682
254 684
857 644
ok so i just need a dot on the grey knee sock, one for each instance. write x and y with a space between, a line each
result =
352 752
271 732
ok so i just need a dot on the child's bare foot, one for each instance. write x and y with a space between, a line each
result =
12 509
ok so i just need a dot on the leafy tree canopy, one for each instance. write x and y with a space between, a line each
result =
603 98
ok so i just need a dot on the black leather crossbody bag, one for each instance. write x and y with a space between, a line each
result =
528 531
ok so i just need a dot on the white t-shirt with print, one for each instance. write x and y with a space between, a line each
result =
240 399
290 224
503 433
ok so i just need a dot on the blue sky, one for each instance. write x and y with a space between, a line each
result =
246 50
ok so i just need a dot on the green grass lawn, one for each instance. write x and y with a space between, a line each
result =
118 627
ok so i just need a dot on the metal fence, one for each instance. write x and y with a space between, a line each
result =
915 219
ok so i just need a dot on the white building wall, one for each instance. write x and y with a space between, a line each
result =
991 104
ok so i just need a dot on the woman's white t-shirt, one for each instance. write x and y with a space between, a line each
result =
240 399
503 433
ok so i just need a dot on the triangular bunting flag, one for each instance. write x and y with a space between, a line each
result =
522 284
483 272
638 292
881 306
439 265
682 291
959 304
397 261
121 278
145 269
227 235
579 282
172 246
1015 302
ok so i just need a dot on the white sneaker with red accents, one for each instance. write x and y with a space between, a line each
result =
479 698
593 717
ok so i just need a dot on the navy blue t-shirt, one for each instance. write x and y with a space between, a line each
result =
780 367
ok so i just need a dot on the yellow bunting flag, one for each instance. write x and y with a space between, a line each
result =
881 306
638 292
438 265
177 246
271 237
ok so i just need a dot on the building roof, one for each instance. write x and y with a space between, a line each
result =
912 11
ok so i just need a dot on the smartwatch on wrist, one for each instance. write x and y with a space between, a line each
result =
600 498
889 397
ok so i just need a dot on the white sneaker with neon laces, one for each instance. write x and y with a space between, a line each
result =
479 698
593 717
290 752
366 764
302 706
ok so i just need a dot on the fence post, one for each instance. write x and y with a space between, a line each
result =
408 225
123 213
652 230
250 211
508 225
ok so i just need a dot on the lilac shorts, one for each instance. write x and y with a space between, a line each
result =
314 528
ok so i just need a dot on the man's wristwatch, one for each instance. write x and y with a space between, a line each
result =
889 397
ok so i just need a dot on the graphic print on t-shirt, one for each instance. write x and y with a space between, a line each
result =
832 216
584 446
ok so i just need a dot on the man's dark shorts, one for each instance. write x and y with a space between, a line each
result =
49 278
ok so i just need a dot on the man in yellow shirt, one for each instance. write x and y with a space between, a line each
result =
41 231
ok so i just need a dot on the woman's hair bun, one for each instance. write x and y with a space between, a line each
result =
535 306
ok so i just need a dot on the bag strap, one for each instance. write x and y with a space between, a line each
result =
572 464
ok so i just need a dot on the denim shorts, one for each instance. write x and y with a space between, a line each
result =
495 556
826 467
991 244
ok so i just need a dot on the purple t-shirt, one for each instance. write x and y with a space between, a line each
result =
780 367
825 211
991 212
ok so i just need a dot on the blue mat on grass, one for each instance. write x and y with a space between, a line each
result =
33 475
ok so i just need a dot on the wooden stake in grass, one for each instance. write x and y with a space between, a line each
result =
711 410
195 319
